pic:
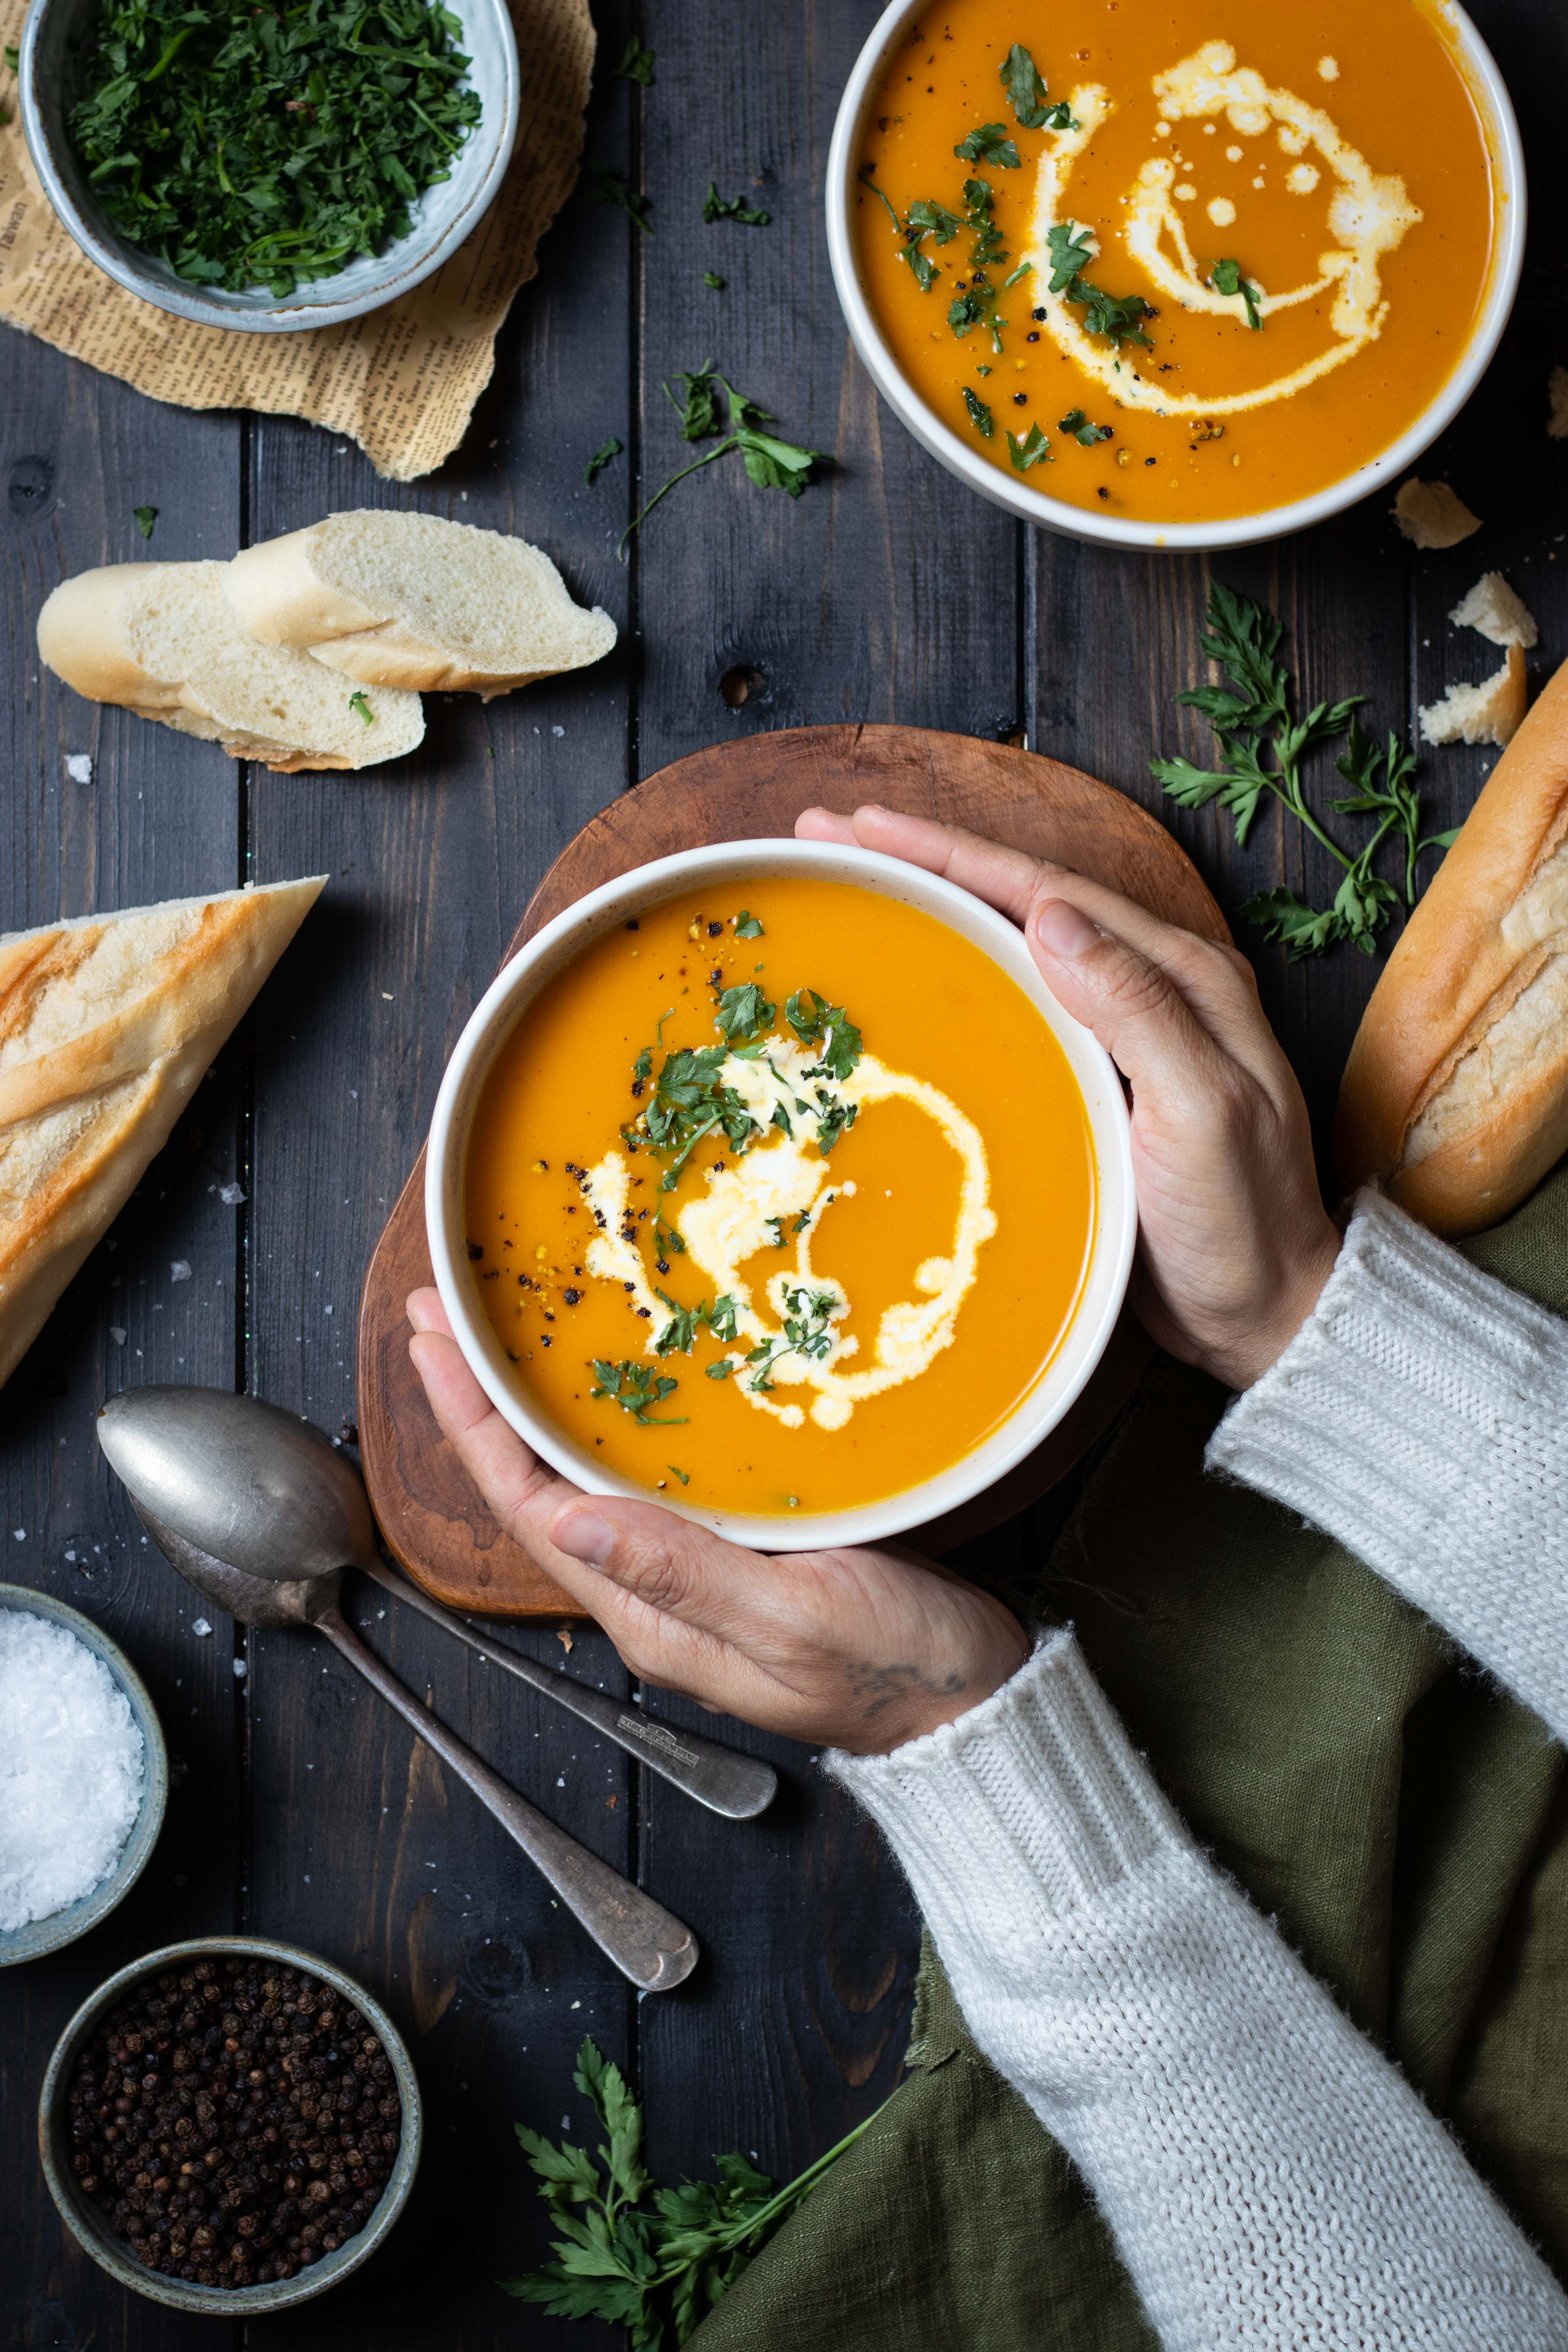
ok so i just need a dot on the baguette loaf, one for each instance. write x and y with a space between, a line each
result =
107 1025
162 640
1456 1092
410 599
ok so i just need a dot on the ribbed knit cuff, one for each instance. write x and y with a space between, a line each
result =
1418 1416
1033 1803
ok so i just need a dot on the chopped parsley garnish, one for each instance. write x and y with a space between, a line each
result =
1116 316
1075 422
607 186
1226 279
975 300
979 414
716 207
776 1227
689 1103
807 1332
747 926
636 63
722 1317
601 458
1032 450
712 278
249 146
145 516
642 1068
667 1240
361 708
635 1386
1024 86
802 1222
675 1470
679 1333
743 1013
815 1021
989 144
769 463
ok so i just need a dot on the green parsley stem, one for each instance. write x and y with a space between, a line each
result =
695 468
171 50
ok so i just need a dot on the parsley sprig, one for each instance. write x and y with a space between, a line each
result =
1226 279
1022 81
769 463
1263 748
635 1387
716 207
654 2260
249 146
1116 316
807 1331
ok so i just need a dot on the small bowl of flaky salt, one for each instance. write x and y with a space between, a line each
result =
84 1775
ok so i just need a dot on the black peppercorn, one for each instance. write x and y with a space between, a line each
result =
265 2167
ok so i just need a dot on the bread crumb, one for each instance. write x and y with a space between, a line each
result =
1501 616
1432 515
1557 394
1487 713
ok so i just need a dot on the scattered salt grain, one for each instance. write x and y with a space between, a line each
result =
201 1627
117 1333
231 1195
240 1670
180 1271
71 1769
78 767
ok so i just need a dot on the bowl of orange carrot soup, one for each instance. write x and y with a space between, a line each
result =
771 1183
1175 273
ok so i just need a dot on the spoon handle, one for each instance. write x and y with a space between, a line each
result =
737 1786
646 1942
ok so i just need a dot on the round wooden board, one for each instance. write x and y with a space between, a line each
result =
429 1514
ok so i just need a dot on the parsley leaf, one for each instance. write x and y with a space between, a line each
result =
1226 279
1034 450
361 708
747 926
989 144
636 63
679 1333
1114 315
769 463
684 1476
743 1013
1075 422
601 458
979 414
145 516
1022 82
609 187
651 2260
716 207
712 278
816 1022
635 1387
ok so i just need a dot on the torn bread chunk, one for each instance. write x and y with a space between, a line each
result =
412 600
162 639
1487 713
1432 515
1501 615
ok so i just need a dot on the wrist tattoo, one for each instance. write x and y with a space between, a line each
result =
877 1687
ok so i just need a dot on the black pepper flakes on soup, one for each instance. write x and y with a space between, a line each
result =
234 2121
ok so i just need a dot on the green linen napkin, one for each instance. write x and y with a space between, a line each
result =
1404 1822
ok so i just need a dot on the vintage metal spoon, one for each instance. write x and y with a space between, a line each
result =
646 1942
259 1488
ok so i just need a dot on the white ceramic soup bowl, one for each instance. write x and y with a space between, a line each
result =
746 864
1017 493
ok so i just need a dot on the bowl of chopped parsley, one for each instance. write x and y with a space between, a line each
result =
269 168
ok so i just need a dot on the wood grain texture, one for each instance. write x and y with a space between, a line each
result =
427 1508
885 593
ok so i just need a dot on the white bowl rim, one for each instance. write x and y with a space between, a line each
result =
1106 1275
1020 497
296 312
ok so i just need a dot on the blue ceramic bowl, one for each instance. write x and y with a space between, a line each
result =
42 1935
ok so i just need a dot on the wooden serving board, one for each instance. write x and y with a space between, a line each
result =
431 1516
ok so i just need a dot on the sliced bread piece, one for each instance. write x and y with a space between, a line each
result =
1487 713
164 640
1432 515
1497 611
410 599
107 1025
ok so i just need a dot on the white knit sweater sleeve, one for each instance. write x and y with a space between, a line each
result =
1421 1416
1270 2180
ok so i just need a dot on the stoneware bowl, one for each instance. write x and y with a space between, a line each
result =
56 52
1017 493
87 2224
41 1936
745 864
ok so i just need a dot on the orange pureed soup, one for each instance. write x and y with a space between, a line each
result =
1253 241
780 1198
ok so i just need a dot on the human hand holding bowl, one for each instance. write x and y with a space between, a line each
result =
867 1649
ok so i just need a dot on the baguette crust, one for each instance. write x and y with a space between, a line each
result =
1460 993
96 1065
81 636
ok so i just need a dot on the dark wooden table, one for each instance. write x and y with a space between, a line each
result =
300 1807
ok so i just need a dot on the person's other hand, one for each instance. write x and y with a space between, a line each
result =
859 1650
1235 1244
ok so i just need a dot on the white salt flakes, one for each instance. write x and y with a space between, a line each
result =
201 1628
78 767
71 1769
180 1271
231 1195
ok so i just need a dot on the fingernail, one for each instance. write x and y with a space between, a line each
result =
583 1537
1062 930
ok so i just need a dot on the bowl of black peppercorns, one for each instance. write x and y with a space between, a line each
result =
230 2126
